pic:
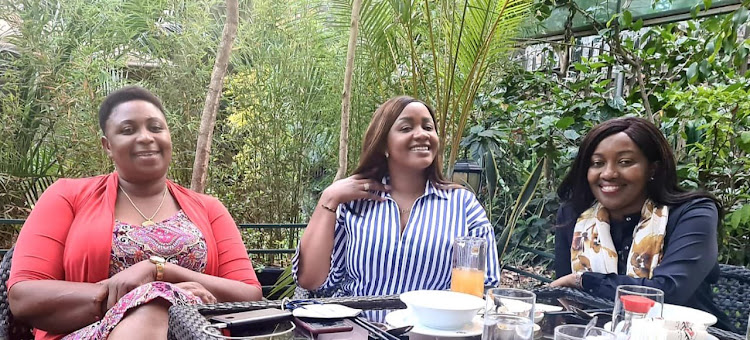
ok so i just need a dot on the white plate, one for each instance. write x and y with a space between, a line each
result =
403 317
547 308
608 325
682 313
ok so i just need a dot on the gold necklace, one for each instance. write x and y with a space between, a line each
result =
148 221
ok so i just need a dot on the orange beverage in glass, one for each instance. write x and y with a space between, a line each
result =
468 280
469 262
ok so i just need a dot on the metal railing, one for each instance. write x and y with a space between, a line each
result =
292 244
243 226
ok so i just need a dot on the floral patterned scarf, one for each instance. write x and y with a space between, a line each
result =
593 250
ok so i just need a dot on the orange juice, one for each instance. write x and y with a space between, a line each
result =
468 280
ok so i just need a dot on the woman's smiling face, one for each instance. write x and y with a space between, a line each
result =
618 174
412 140
137 139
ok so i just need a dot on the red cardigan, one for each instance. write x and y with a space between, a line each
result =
68 235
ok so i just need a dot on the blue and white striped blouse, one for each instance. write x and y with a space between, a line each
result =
372 257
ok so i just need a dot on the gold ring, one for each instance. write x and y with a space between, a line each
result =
367 186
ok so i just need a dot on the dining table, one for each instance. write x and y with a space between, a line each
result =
188 322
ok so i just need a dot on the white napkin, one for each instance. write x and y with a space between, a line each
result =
660 329
325 311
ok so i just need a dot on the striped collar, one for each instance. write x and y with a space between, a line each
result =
429 190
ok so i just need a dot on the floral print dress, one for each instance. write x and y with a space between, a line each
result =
176 239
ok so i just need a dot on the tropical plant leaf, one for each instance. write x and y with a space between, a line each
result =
284 285
522 201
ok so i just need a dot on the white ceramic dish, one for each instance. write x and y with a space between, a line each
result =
442 309
403 317
540 307
682 313
538 316
608 326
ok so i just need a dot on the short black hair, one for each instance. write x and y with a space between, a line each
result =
123 95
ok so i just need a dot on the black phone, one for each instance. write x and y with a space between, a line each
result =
321 326
252 317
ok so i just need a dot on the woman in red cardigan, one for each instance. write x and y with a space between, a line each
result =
105 257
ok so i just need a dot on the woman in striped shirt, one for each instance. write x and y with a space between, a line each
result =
389 228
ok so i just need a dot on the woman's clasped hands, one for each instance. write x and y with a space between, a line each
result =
139 274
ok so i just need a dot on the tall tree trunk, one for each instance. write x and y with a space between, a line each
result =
210 108
347 93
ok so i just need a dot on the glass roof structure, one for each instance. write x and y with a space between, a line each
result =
652 12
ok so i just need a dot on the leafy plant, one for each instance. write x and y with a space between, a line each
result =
690 78
439 51
285 285
519 208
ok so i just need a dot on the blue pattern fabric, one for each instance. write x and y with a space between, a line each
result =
372 257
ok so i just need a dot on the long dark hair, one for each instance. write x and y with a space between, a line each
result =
372 161
663 189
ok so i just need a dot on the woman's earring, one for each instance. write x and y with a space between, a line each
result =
652 178
387 155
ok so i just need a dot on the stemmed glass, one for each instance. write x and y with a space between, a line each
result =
509 314
635 302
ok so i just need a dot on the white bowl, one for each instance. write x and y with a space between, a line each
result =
442 309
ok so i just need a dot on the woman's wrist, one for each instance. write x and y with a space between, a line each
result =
328 202
100 302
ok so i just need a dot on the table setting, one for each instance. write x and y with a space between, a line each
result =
471 311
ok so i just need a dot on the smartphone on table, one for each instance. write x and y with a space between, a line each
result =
255 322
252 317
323 326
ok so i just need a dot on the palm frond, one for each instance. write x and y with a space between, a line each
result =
519 208
284 286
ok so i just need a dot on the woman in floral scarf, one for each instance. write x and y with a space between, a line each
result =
625 221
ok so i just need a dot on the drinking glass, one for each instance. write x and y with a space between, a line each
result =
576 332
635 302
469 262
509 314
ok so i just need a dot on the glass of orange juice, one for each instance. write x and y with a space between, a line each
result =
469 263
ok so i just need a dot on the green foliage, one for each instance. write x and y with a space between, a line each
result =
439 51
70 54
284 285
278 111
694 82
715 120
525 195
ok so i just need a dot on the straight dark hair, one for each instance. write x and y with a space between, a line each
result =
662 189
372 161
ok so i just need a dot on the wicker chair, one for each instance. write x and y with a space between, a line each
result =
9 328
732 294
